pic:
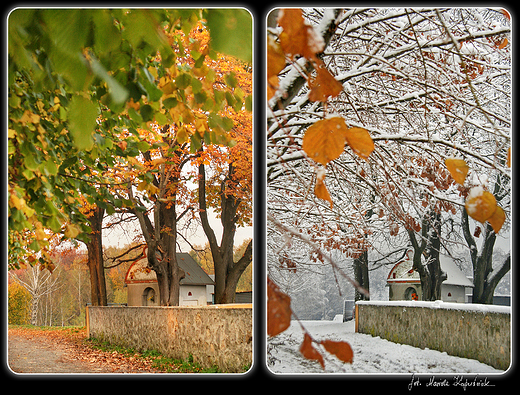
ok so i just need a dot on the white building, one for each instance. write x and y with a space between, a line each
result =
405 284
195 289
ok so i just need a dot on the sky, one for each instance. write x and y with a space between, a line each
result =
119 236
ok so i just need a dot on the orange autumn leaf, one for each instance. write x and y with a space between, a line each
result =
278 309
275 64
480 204
341 350
458 169
503 43
497 219
320 190
324 85
325 140
272 86
309 352
505 13
298 37
360 142
509 157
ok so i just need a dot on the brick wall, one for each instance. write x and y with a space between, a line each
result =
478 332
215 335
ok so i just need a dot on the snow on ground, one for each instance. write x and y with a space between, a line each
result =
371 354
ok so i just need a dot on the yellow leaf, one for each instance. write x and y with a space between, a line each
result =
40 234
182 135
298 37
157 162
497 219
275 57
320 190
17 202
325 140
458 169
71 231
275 64
142 186
278 309
324 85
360 142
480 204
340 349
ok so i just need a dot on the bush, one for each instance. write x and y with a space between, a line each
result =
19 305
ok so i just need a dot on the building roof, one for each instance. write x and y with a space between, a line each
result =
139 272
403 272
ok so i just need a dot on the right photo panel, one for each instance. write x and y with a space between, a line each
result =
389 191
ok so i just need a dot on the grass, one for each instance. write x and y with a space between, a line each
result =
160 362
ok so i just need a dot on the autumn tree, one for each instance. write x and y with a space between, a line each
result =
38 283
19 302
203 119
78 80
227 186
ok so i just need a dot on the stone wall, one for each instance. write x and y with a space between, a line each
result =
215 335
480 332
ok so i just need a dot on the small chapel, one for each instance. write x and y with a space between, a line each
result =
196 288
405 284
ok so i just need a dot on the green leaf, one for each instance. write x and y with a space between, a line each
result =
231 80
160 118
170 102
54 224
82 121
106 35
183 80
50 168
117 91
34 246
135 115
29 162
196 85
146 112
29 175
249 103
231 32
143 146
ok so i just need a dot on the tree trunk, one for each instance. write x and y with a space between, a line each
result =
484 283
429 271
437 276
34 311
227 272
361 275
98 290
161 236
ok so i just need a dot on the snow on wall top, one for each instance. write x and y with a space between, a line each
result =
438 304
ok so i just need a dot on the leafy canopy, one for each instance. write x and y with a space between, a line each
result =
79 78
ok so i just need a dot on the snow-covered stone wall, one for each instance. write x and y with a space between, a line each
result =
215 335
480 332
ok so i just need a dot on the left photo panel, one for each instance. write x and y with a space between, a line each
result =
130 185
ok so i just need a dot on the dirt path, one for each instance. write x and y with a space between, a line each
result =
55 351
40 355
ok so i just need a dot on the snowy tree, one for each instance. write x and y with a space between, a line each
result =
424 104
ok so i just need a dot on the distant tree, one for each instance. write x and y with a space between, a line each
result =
38 283
19 303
